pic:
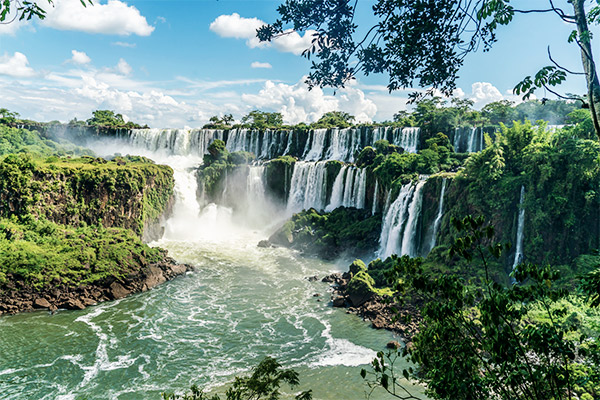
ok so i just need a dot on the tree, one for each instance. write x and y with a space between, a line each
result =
264 383
484 342
334 119
424 43
25 10
106 118
7 117
261 120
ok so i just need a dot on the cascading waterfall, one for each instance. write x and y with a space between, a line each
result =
407 138
349 188
400 222
520 225
321 144
438 218
308 187
317 144
468 140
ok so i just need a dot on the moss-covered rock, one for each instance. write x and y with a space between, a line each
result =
75 191
279 176
347 231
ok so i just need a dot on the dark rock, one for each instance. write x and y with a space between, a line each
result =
41 303
316 295
339 301
332 278
264 244
392 344
313 278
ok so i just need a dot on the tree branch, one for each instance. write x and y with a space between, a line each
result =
561 67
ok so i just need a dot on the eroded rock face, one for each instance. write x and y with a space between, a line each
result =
13 301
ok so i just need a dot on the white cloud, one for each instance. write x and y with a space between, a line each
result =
292 42
123 67
484 93
298 104
114 18
79 57
16 65
235 26
124 44
257 64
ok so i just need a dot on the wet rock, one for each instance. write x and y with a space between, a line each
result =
313 278
339 301
41 303
154 277
332 278
117 291
392 344
264 244
316 294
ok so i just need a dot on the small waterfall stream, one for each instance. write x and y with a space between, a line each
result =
438 218
520 226
400 222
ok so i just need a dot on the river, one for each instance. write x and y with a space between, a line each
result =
242 303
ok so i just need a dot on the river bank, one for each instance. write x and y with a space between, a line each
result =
18 296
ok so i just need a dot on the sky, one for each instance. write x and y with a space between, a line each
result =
176 63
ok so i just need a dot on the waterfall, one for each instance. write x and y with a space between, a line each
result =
438 218
360 184
308 186
349 188
407 138
337 192
520 224
317 145
375 197
255 185
400 222
472 146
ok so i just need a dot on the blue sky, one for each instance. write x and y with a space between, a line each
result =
176 63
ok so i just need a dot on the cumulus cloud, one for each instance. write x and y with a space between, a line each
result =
298 104
114 18
79 57
123 67
16 66
235 26
484 93
257 64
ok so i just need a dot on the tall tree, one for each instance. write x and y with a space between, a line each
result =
424 43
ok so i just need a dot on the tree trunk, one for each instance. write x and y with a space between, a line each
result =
587 58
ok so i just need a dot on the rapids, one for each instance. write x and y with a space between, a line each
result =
241 304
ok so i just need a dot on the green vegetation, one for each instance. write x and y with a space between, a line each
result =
334 119
262 120
16 140
217 163
264 383
42 254
107 118
84 190
418 43
528 341
329 235
216 122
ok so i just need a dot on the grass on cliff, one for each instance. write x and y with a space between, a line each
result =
125 192
41 254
